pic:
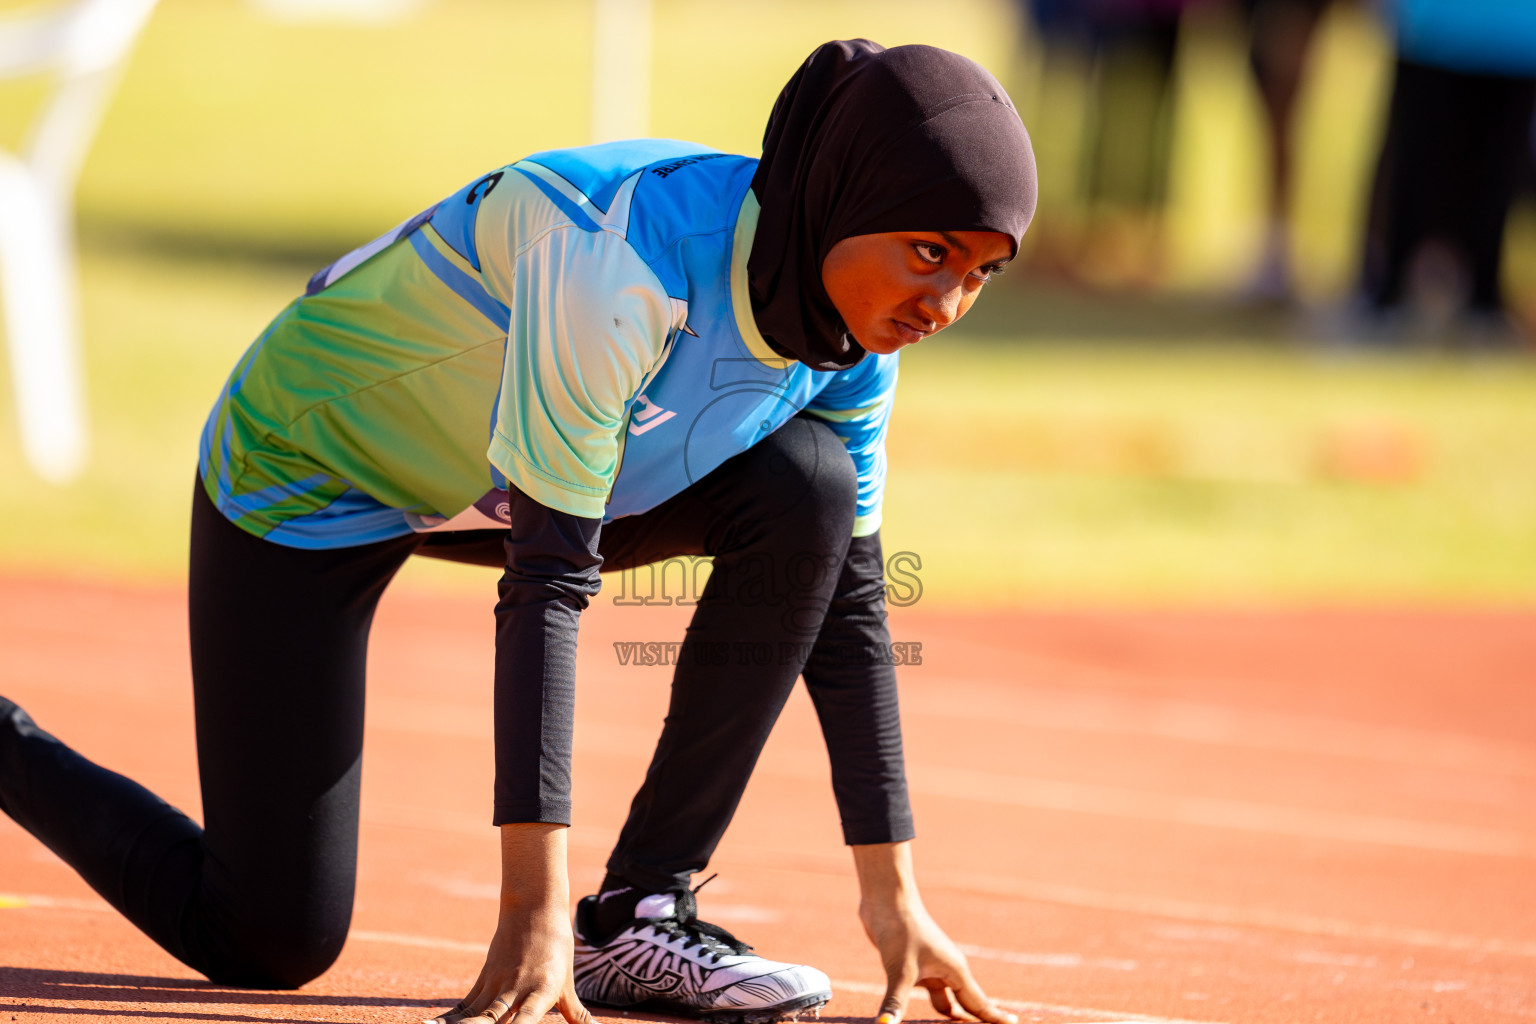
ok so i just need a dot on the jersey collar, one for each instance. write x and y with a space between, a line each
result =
741 297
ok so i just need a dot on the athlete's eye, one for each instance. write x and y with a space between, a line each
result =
930 253
987 272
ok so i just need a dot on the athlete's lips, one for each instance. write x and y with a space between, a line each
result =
907 334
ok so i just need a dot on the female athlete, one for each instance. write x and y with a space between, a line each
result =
595 357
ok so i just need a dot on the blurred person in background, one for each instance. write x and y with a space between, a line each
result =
1280 35
1123 53
1458 133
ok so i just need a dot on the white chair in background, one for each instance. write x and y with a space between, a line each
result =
360 12
80 45
621 69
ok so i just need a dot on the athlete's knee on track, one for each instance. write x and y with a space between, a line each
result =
281 960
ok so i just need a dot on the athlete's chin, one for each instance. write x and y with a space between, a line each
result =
888 342
882 346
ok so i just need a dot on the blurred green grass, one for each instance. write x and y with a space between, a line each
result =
1226 472
242 154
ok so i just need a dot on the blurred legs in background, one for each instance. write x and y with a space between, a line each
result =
1105 226
1449 166
1129 144
1280 36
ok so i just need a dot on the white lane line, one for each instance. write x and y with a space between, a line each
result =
1009 956
1326 959
1280 920
36 901
420 941
954 783
1030 1006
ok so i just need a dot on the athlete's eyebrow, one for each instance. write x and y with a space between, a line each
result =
955 243
966 252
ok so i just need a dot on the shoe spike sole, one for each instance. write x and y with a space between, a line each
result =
785 1011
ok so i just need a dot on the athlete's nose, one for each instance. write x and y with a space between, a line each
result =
939 309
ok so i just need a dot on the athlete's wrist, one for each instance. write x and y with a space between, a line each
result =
534 875
886 880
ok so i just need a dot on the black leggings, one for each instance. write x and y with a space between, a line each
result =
261 895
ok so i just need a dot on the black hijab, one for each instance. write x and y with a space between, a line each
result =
866 140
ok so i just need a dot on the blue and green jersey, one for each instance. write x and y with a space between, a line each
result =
576 325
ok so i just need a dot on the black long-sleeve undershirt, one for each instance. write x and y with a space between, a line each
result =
551 576
853 688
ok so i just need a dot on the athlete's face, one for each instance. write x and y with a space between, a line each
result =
898 287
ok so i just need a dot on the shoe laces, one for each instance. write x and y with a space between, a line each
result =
713 939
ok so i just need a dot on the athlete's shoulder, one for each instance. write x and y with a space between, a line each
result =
691 195
675 203
655 190
579 187
599 171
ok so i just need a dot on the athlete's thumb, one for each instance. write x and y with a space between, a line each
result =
898 987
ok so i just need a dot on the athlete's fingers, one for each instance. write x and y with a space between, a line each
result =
494 1012
455 1015
462 1008
938 995
978 1005
535 1006
571 1008
452 1016
898 986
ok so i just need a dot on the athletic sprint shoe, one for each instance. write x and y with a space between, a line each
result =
665 959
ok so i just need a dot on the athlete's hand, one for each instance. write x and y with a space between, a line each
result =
913 948
528 970
915 951
527 973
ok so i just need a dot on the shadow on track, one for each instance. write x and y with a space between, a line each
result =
79 988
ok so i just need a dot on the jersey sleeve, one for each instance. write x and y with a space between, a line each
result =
590 321
857 406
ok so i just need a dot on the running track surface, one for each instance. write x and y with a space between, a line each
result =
1173 816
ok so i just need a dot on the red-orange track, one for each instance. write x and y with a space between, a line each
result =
1169 816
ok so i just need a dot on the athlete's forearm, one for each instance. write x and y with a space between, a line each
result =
552 572
853 685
